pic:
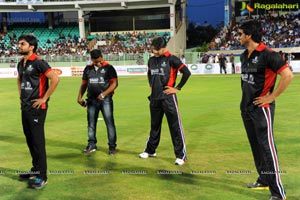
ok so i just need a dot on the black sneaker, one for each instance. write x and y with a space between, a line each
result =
112 151
27 176
257 186
89 149
38 183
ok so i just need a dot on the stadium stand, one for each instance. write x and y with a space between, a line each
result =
66 37
58 38
280 31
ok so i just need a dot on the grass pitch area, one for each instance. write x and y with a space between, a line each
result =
220 162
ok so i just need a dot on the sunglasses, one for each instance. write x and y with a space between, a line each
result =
240 33
24 43
21 43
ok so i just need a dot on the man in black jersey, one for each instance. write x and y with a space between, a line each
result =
260 66
34 89
100 80
162 73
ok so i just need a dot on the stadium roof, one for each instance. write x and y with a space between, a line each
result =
88 5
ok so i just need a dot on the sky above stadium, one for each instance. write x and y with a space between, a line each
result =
210 11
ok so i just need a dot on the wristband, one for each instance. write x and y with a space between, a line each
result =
102 96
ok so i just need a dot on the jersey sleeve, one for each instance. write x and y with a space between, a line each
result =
176 63
149 72
276 63
43 66
112 73
19 69
85 74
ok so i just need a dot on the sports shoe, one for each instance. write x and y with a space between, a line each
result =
112 151
147 155
89 149
257 186
26 176
179 161
276 198
38 183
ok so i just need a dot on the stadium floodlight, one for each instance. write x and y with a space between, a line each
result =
123 4
30 7
77 6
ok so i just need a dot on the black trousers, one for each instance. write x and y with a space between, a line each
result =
259 127
223 67
169 107
233 68
33 126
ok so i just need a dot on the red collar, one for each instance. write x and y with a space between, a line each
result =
167 53
32 57
105 63
261 47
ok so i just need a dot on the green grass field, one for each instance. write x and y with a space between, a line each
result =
220 162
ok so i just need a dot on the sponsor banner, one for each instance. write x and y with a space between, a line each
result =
238 68
208 68
121 70
62 71
259 7
131 70
76 71
29 1
295 66
213 68
13 72
8 72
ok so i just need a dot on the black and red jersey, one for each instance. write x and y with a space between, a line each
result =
259 73
162 72
34 82
98 79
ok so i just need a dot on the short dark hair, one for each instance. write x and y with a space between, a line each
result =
96 53
253 28
30 39
158 43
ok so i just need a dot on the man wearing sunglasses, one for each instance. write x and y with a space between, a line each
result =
260 66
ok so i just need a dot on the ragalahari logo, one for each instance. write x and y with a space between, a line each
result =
246 9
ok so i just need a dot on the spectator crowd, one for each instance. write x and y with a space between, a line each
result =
111 44
60 46
279 31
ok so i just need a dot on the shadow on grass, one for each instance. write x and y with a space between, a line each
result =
211 182
135 154
205 182
13 191
49 142
128 152
236 186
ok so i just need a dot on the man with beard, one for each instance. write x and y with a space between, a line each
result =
34 90
260 66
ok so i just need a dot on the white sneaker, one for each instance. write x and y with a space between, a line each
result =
179 161
147 155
